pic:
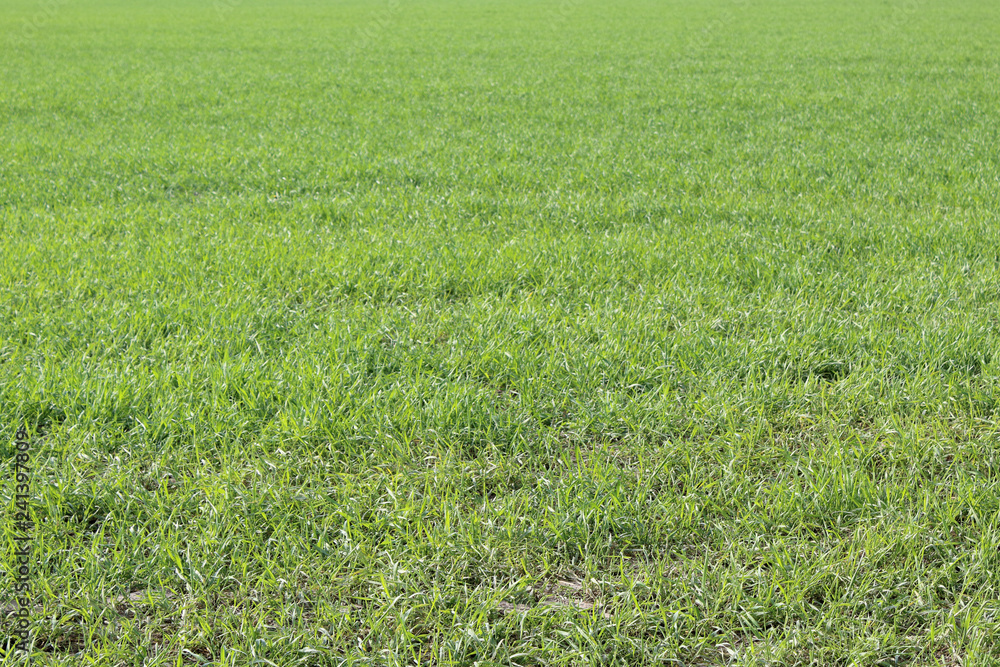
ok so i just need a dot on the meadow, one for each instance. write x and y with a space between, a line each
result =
446 332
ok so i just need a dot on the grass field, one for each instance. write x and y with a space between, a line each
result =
446 332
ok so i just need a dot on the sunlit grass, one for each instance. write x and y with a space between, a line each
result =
442 332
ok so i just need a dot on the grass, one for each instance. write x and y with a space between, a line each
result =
456 333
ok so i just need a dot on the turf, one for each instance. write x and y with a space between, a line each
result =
446 332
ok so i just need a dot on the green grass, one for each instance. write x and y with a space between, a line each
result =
448 332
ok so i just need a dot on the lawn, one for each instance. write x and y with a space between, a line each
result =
451 332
